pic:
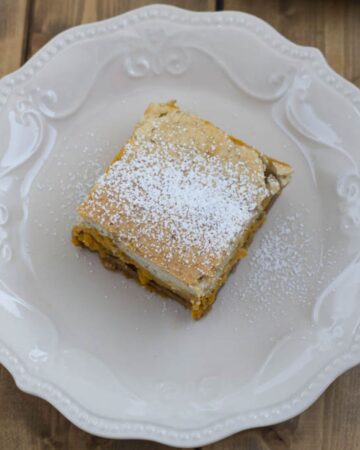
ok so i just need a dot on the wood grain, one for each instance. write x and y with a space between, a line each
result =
333 422
331 25
13 33
51 17
27 422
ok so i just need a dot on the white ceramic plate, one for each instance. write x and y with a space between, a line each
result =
120 362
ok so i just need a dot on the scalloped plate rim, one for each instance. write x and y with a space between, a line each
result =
143 430
158 7
186 439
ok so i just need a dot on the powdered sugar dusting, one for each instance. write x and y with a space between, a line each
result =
180 192
199 210
284 255
280 272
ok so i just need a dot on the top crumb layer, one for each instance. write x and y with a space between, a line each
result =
179 194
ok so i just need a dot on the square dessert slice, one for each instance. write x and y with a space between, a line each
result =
179 204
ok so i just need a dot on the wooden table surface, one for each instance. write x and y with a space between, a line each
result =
333 422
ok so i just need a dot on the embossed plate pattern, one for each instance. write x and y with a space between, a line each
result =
114 359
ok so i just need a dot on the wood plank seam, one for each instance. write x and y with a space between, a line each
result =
28 30
219 5
25 32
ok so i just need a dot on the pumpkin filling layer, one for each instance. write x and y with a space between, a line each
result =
179 205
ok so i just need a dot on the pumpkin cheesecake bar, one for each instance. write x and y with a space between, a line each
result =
178 206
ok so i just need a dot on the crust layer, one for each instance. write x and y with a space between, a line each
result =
179 205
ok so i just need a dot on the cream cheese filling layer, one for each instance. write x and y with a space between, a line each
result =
203 288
